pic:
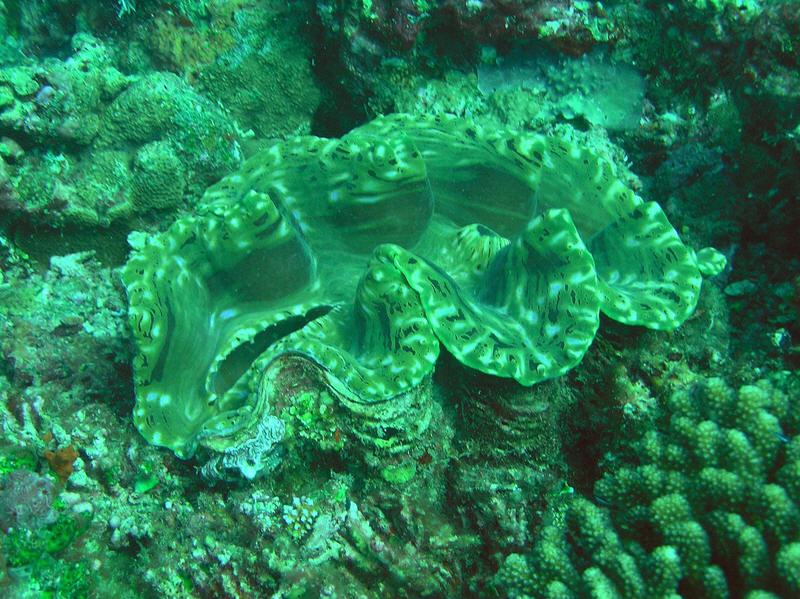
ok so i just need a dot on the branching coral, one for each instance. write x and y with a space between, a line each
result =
706 506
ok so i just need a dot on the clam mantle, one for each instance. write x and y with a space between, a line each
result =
365 255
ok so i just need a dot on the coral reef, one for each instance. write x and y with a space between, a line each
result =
74 305
265 41
91 139
372 48
404 458
704 504
26 500
158 177
83 130
384 28
591 86
159 107
59 101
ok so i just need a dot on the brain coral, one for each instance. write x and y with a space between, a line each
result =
364 255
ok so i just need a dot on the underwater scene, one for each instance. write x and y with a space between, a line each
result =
365 299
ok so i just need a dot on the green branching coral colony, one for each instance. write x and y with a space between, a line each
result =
360 257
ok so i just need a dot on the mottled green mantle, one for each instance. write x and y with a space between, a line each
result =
364 254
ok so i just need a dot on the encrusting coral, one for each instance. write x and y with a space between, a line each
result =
362 255
706 505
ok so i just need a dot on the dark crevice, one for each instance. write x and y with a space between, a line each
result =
239 360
